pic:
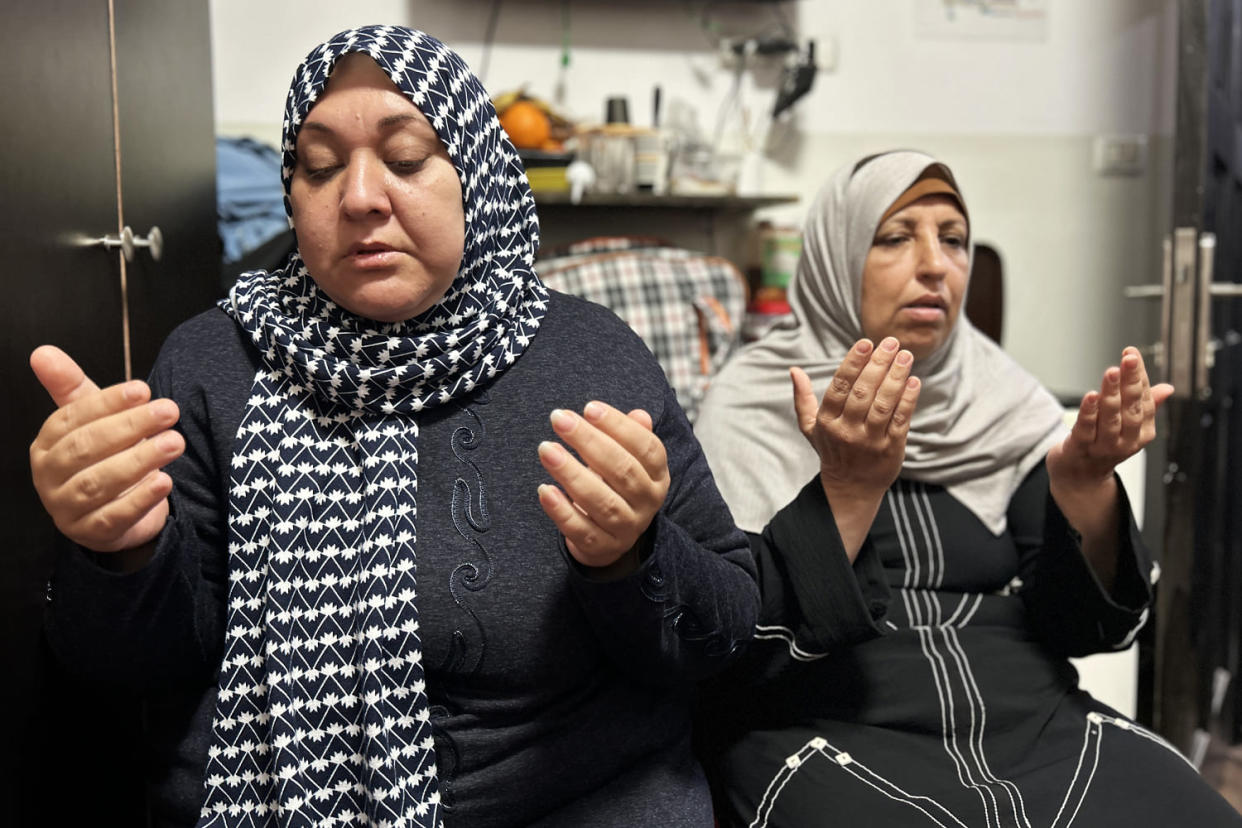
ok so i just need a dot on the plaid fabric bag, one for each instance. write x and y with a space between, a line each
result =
686 306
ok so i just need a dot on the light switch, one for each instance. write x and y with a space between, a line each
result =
1120 154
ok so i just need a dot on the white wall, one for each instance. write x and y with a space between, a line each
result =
1016 120
1101 68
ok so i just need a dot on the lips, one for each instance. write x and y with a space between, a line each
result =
929 301
373 256
368 248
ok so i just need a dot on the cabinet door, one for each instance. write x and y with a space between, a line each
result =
57 154
58 157
168 165
76 751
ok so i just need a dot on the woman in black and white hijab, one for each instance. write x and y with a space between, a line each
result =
352 568
932 544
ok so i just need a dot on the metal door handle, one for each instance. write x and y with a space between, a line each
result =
1224 290
1188 350
128 242
1143 291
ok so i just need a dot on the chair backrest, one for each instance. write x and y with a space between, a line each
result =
686 306
985 298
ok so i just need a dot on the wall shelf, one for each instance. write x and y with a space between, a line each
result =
721 225
713 203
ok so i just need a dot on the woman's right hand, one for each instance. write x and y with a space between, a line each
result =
859 431
96 461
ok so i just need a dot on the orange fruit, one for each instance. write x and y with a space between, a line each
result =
526 124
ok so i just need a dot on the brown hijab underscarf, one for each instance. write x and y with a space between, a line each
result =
982 421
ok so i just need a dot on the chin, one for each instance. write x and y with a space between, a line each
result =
922 349
389 317
383 305
375 311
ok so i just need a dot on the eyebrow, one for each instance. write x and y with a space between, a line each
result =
909 222
386 122
393 120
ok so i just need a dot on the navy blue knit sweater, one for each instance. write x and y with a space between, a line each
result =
557 699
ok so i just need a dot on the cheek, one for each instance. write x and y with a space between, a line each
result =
301 214
311 215
449 222
455 239
957 286
314 236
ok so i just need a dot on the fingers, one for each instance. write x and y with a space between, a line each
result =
65 455
619 448
806 404
1119 419
623 468
642 418
60 375
612 493
89 406
891 392
1108 408
1128 415
1157 394
1137 408
116 477
96 461
608 509
1083 430
860 378
126 521
867 389
862 396
116 502
1160 394
842 385
902 417
590 544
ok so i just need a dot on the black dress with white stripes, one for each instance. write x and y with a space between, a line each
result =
929 683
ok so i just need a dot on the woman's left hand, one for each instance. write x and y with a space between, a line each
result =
1113 424
616 489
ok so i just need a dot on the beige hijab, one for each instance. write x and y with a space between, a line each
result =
982 422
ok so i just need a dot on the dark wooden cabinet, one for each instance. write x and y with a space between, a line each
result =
77 76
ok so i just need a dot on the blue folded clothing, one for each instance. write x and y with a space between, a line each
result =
250 206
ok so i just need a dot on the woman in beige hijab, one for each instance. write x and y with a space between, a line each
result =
933 544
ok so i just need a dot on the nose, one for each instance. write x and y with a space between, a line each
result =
365 190
932 263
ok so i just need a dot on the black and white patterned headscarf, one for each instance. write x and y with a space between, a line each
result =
322 714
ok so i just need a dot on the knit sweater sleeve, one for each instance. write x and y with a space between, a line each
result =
692 603
163 625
